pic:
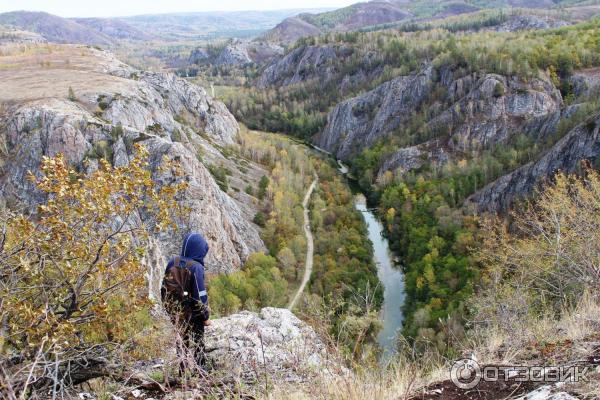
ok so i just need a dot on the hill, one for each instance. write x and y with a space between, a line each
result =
206 25
115 28
162 27
344 19
378 14
53 28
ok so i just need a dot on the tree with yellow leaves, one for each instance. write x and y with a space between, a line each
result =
548 259
71 275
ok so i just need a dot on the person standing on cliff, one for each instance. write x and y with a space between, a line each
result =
184 295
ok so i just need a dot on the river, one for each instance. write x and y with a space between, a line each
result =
389 273
391 277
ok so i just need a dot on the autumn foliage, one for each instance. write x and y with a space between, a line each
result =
71 275
546 260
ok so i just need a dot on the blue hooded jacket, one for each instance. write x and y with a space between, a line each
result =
194 249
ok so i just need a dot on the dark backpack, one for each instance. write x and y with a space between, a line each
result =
177 287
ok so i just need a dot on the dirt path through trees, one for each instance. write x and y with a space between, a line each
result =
309 246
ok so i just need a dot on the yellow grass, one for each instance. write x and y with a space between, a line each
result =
37 71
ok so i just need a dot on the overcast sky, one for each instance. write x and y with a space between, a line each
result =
108 8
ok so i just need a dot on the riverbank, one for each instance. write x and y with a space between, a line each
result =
391 277
389 274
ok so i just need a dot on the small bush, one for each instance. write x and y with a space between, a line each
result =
260 219
220 175
262 187
176 135
71 94
499 90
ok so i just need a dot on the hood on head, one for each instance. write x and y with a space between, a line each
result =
194 247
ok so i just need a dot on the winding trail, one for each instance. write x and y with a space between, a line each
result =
308 267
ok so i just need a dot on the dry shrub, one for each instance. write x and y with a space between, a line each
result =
544 269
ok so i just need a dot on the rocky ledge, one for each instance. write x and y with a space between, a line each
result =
273 342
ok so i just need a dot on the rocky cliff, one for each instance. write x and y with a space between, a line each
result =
358 122
302 64
586 83
233 54
488 109
96 107
582 143
237 53
477 112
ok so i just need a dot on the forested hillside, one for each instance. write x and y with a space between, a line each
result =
427 115
377 14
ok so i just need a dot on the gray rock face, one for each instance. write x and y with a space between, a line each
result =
358 122
530 22
238 54
586 82
235 53
162 98
262 52
230 236
491 108
160 111
64 127
273 341
484 110
582 143
414 157
301 64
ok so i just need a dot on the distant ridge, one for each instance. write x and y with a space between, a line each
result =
54 28
115 28
166 27
349 18
377 13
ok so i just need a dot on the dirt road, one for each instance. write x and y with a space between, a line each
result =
309 246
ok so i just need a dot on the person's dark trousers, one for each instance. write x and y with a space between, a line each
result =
193 338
